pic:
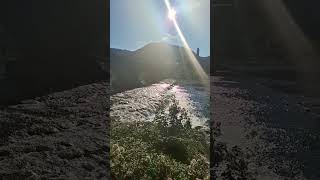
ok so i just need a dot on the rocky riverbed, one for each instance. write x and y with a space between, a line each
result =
275 132
64 135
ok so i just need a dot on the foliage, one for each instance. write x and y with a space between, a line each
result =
166 148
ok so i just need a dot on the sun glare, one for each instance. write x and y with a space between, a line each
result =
172 14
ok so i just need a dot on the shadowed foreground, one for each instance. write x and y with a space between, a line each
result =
60 136
265 133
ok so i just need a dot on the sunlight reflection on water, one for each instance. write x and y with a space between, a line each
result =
142 103
195 100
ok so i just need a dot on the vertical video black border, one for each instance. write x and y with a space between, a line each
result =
211 90
107 14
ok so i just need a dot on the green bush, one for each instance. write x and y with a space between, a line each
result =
166 148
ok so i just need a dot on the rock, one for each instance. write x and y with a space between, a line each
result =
32 175
64 143
45 143
88 166
53 130
4 152
40 130
83 100
70 153
30 101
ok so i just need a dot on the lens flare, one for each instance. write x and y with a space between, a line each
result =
172 14
199 70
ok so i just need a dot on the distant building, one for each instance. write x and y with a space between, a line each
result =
198 52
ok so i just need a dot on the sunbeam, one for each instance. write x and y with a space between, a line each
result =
172 14
199 70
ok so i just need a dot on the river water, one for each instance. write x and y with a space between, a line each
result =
141 104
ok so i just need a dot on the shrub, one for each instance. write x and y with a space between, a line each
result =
166 148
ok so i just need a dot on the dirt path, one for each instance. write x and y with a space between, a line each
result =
277 134
60 136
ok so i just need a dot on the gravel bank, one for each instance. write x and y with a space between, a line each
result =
59 136
276 132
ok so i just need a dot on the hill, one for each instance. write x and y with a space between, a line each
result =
151 63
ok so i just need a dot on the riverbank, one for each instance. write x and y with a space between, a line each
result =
276 132
160 132
64 135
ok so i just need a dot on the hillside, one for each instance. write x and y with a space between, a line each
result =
151 63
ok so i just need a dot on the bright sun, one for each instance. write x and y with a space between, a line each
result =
172 14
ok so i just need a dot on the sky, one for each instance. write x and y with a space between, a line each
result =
135 23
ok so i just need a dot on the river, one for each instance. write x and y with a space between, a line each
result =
142 103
